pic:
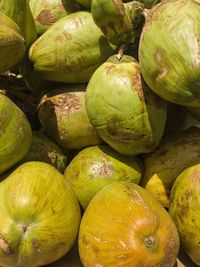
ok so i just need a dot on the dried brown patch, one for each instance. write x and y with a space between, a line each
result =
137 85
5 245
46 17
67 103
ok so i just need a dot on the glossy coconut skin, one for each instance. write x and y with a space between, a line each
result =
135 230
125 113
77 48
169 51
63 116
15 137
11 42
97 166
161 167
47 12
184 209
37 225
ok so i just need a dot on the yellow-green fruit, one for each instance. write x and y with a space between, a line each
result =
126 114
175 153
63 116
40 216
15 134
184 209
97 166
71 49
12 43
47 12
124 225
169 51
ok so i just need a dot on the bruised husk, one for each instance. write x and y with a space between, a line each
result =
97 166
125 226
125 113
169 51
175 153
12 46
184 209
15 137
45 150
77 48
47 12
19 11
63 116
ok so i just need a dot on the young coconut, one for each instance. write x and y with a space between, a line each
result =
169 51
77 49
124 111
97 166
15 137
63 116
40 216
125 226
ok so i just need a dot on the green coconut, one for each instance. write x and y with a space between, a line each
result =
124 111
19 11
40 216
77 48
169 51
97 166
11 43
45 150
15 137
184 209
63 115
47 12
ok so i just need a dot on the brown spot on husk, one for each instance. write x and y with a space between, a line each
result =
159 55
85 241
137 85
46 17
5 245
195 176
67 103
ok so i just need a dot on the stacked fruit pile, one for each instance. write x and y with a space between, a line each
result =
99 133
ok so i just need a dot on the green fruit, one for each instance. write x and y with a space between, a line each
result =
125 226
11 43
168 52
19 11
184 209
40 216
47 12
175 153
77 48
45 150
15 137
113 19
63 116
97 166
124 112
